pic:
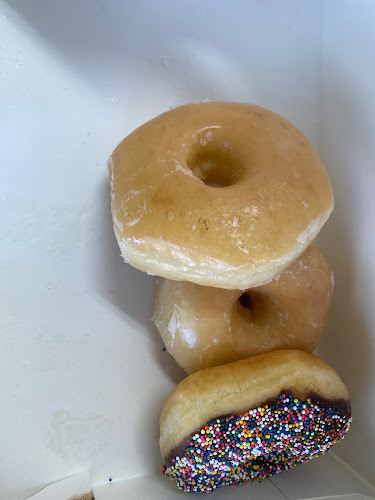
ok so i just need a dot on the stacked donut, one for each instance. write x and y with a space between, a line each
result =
223 201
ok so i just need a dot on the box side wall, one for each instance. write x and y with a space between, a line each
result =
348 150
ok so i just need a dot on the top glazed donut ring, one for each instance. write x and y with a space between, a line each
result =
171 222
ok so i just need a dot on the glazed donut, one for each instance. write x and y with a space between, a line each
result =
170 221
250 419
204 326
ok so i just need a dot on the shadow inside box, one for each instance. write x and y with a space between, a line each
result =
129 290
144 56
99 38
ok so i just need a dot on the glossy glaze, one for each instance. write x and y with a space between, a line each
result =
205 326
170 222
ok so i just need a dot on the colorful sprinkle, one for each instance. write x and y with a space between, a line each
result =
257 444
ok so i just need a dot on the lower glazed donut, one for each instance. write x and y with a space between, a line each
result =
204 326
251 419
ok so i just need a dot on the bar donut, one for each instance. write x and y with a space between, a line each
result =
251 419
205 326
170 217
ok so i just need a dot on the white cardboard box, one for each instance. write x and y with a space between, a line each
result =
82 374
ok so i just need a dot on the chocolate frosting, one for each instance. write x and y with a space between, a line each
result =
342 405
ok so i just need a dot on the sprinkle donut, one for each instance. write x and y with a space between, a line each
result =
217 193
251 419
205 326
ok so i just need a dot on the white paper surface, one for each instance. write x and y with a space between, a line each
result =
66 488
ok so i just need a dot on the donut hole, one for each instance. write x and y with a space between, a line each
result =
247 301
215 169
255 306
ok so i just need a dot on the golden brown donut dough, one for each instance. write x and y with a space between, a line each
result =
242 385
250 419
204 326
168 221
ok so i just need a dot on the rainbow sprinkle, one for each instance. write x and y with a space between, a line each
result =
257 444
